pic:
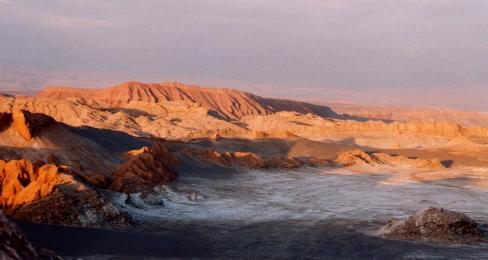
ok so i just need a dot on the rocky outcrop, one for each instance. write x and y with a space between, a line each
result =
74 205
47 194
434 224
14 245
285 162
146 167
90 152
25 123
361 158
251 160
24 182
28 125
228 159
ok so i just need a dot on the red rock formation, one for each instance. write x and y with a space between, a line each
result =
251 160
284 163
23 182
361 158
228 103
229 159
356 157
25 123
46 194
145 168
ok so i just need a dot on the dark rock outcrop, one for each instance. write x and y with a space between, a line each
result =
13 244
434 224
5 120
67 206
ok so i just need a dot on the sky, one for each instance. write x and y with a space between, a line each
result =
382 52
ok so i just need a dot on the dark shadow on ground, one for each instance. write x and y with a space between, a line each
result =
111 140
331 239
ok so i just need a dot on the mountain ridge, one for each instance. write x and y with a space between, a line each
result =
229 103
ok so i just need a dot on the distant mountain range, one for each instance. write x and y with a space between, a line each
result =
228 103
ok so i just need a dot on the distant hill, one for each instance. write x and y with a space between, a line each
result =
407 114
228 103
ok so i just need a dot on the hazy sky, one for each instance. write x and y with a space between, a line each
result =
403 52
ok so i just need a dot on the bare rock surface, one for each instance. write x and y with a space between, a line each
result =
23 182
50 194
362 158
66 206
29 125
146 167
434 224
236 159
252 160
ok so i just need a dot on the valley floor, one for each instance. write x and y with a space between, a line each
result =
325 213
332 239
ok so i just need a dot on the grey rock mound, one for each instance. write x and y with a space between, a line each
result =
434 224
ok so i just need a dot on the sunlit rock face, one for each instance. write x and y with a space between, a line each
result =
377 134
50 194
229 159
361 158
29 125
58 174
145 168
24 182
434 224
55 181
249 160
25 123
